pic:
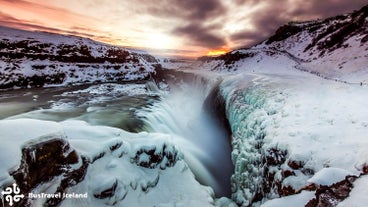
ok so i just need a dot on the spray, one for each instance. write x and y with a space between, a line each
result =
205 146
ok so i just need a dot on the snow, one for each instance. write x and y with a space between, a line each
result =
175 185
317 122
329 176
348 63
112 89
284 104
177 64
137 65
358 196
276 100
135 185
13 35
302 106
15 134
298 200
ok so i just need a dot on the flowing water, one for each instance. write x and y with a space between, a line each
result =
200 138
137 107
105 104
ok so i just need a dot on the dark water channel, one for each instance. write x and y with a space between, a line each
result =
104 104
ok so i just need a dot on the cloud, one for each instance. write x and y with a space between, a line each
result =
193 17
194 20
247 38
191 24
7 18
200 35
42 14
269 16
9 21
184 10
326 8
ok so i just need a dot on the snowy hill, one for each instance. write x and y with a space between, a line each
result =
335 48
296 104
35 59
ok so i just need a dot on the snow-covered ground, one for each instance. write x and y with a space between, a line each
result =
335 48
97 48
172 63
37 59
168 184
280 116
358 196
134 184
296 105
290 129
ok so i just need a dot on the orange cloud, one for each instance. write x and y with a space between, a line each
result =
186 28
34 16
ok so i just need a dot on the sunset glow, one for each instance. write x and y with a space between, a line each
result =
177 28
159 41
216 52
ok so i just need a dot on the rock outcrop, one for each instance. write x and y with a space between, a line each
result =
36 59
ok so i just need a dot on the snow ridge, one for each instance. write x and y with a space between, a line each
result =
295 103
335 48
36 59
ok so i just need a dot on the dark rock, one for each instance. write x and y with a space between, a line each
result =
97 157
35 81
287 173
155 157
331 196
257 197
150 184
74 56
307 171
108 193
334 35
295 164
116 146
43 161
364 39
286 191
310 187
70 178
284 32
365 169
312 203
275 157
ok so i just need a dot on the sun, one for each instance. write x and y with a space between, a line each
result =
217 52
159 41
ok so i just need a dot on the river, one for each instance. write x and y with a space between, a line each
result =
136 107
103 104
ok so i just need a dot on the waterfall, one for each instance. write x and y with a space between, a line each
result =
205 145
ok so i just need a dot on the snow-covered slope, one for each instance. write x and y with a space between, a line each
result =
297 139
287 129
35 59
296 107
335 48
110 166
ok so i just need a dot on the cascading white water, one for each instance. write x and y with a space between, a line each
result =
205 146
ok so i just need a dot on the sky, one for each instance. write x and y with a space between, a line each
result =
185 28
